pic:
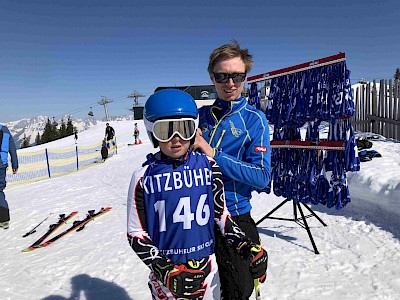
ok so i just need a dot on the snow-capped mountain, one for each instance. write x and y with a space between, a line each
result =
31 127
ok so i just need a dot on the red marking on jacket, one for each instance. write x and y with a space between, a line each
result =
260 149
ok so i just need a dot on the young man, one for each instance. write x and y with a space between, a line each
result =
175 200
7 145
236 135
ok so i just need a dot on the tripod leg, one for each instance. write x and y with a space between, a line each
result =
315 215
272 211
308 229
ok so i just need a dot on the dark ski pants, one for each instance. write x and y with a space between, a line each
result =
4 212
234 272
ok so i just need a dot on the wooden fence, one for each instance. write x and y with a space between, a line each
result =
377 108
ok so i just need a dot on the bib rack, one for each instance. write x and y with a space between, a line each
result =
301 220
294 144
324 145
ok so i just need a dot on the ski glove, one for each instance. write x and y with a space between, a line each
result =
258 259
180 280
259 262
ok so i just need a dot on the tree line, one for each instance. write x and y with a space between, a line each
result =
52 132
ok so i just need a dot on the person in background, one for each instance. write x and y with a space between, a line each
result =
236 136
7 146
104 151
110 132
76 136
174 201
136 134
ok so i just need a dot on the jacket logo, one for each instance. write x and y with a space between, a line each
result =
235 131
260 149
204 127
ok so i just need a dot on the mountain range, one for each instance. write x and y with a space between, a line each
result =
29 128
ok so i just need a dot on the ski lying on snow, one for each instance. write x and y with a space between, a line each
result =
52 228
77 226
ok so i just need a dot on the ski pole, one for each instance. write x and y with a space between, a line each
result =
257 289
33 230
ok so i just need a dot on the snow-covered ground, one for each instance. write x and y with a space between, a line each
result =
359 249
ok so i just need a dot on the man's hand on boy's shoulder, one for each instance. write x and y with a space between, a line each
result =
201 144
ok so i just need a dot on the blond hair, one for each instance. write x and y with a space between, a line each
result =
229 51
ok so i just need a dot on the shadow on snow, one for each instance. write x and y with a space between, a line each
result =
93 289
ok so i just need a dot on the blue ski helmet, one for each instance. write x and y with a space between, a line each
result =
168 104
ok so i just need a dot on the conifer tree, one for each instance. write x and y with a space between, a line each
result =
63 129
47 133
54 131
37 139
70 128
397 74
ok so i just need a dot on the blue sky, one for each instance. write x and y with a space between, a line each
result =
59 57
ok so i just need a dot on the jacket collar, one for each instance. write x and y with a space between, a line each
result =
226 106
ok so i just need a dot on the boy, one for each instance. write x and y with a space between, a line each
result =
104 151
175 200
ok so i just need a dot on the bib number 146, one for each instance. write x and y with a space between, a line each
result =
183 214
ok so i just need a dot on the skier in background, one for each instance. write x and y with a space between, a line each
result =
76 136
110 132
104 151
109 137
174 201
7 146
136 135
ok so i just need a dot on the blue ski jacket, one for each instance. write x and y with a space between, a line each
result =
239 134
7 145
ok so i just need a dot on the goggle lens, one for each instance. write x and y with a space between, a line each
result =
165 130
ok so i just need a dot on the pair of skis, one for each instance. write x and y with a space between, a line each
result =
76 226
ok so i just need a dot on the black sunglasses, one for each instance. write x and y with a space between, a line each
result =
224 77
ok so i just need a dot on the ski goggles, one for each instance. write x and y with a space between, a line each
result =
224 77
164 130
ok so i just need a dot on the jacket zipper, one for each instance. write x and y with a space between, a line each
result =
215 126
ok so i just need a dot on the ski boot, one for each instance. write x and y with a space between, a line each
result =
5 225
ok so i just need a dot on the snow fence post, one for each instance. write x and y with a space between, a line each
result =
47 161
77 159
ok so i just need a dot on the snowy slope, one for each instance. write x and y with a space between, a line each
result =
359 249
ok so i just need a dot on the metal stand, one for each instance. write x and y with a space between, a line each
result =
299 220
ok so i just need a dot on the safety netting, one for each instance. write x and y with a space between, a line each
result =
46 163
